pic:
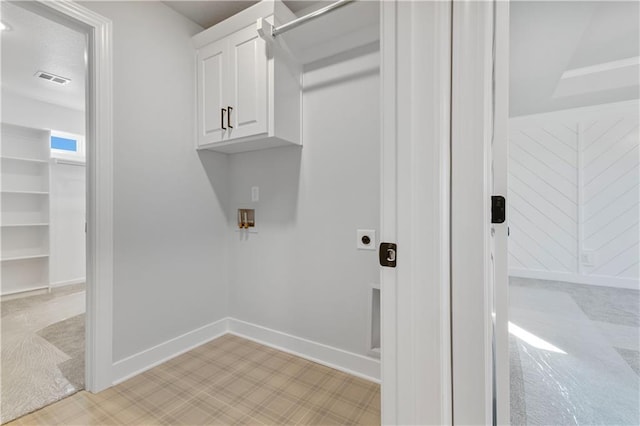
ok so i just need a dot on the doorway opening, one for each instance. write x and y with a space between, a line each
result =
43 211
573 176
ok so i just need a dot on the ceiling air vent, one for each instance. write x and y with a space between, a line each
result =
53 78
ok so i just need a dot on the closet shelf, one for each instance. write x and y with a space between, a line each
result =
26 192
20 225
25 208
26 257
23 159
354 25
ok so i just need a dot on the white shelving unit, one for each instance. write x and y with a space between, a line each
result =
24 222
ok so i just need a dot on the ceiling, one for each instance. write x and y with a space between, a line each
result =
547 39
208 13
38 44
587 39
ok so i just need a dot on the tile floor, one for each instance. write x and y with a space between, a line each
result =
230 380
590 374
41 350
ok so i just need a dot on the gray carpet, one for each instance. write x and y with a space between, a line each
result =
68 336
631 357
518 405
42 350
592 375
16 306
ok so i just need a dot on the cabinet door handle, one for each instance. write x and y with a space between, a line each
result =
229 118
222 119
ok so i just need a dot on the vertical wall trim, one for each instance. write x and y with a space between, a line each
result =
579 196
388 210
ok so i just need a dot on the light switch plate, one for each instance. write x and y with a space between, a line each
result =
363 234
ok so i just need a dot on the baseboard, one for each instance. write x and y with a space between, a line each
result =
149 358
358 365
627 283
18 294
348 362
68 282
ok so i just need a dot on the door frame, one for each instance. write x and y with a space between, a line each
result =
480 99
415 127
99 196
416 372
500 166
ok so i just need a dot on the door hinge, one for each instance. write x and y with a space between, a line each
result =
388 254
498 209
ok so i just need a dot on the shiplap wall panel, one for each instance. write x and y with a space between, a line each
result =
534 222
574 191
542 196
549 156
614 256
522 255
611 179
616 197
543 172
632 271
540 248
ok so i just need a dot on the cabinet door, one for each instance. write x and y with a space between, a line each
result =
247 84
212 68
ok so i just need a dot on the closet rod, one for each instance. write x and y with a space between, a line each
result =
313 15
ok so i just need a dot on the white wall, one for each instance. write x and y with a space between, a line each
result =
67 217
573 192
301 273
27 112
170 273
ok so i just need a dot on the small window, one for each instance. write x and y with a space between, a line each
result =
67 145
64 144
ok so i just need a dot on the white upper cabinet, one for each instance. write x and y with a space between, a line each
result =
247 84
211 66
248 93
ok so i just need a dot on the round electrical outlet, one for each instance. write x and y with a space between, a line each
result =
366 239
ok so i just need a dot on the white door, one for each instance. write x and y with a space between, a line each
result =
212 116
247 83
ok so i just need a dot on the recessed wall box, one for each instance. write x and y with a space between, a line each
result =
246 218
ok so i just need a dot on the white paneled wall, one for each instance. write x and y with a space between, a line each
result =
573 195
67 219
610 194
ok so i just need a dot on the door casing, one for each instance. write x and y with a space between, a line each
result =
99 197
479 169
415 77
415 90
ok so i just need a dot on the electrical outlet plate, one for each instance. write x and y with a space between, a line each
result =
587 258
371 234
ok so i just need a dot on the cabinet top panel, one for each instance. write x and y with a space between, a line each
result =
243 19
